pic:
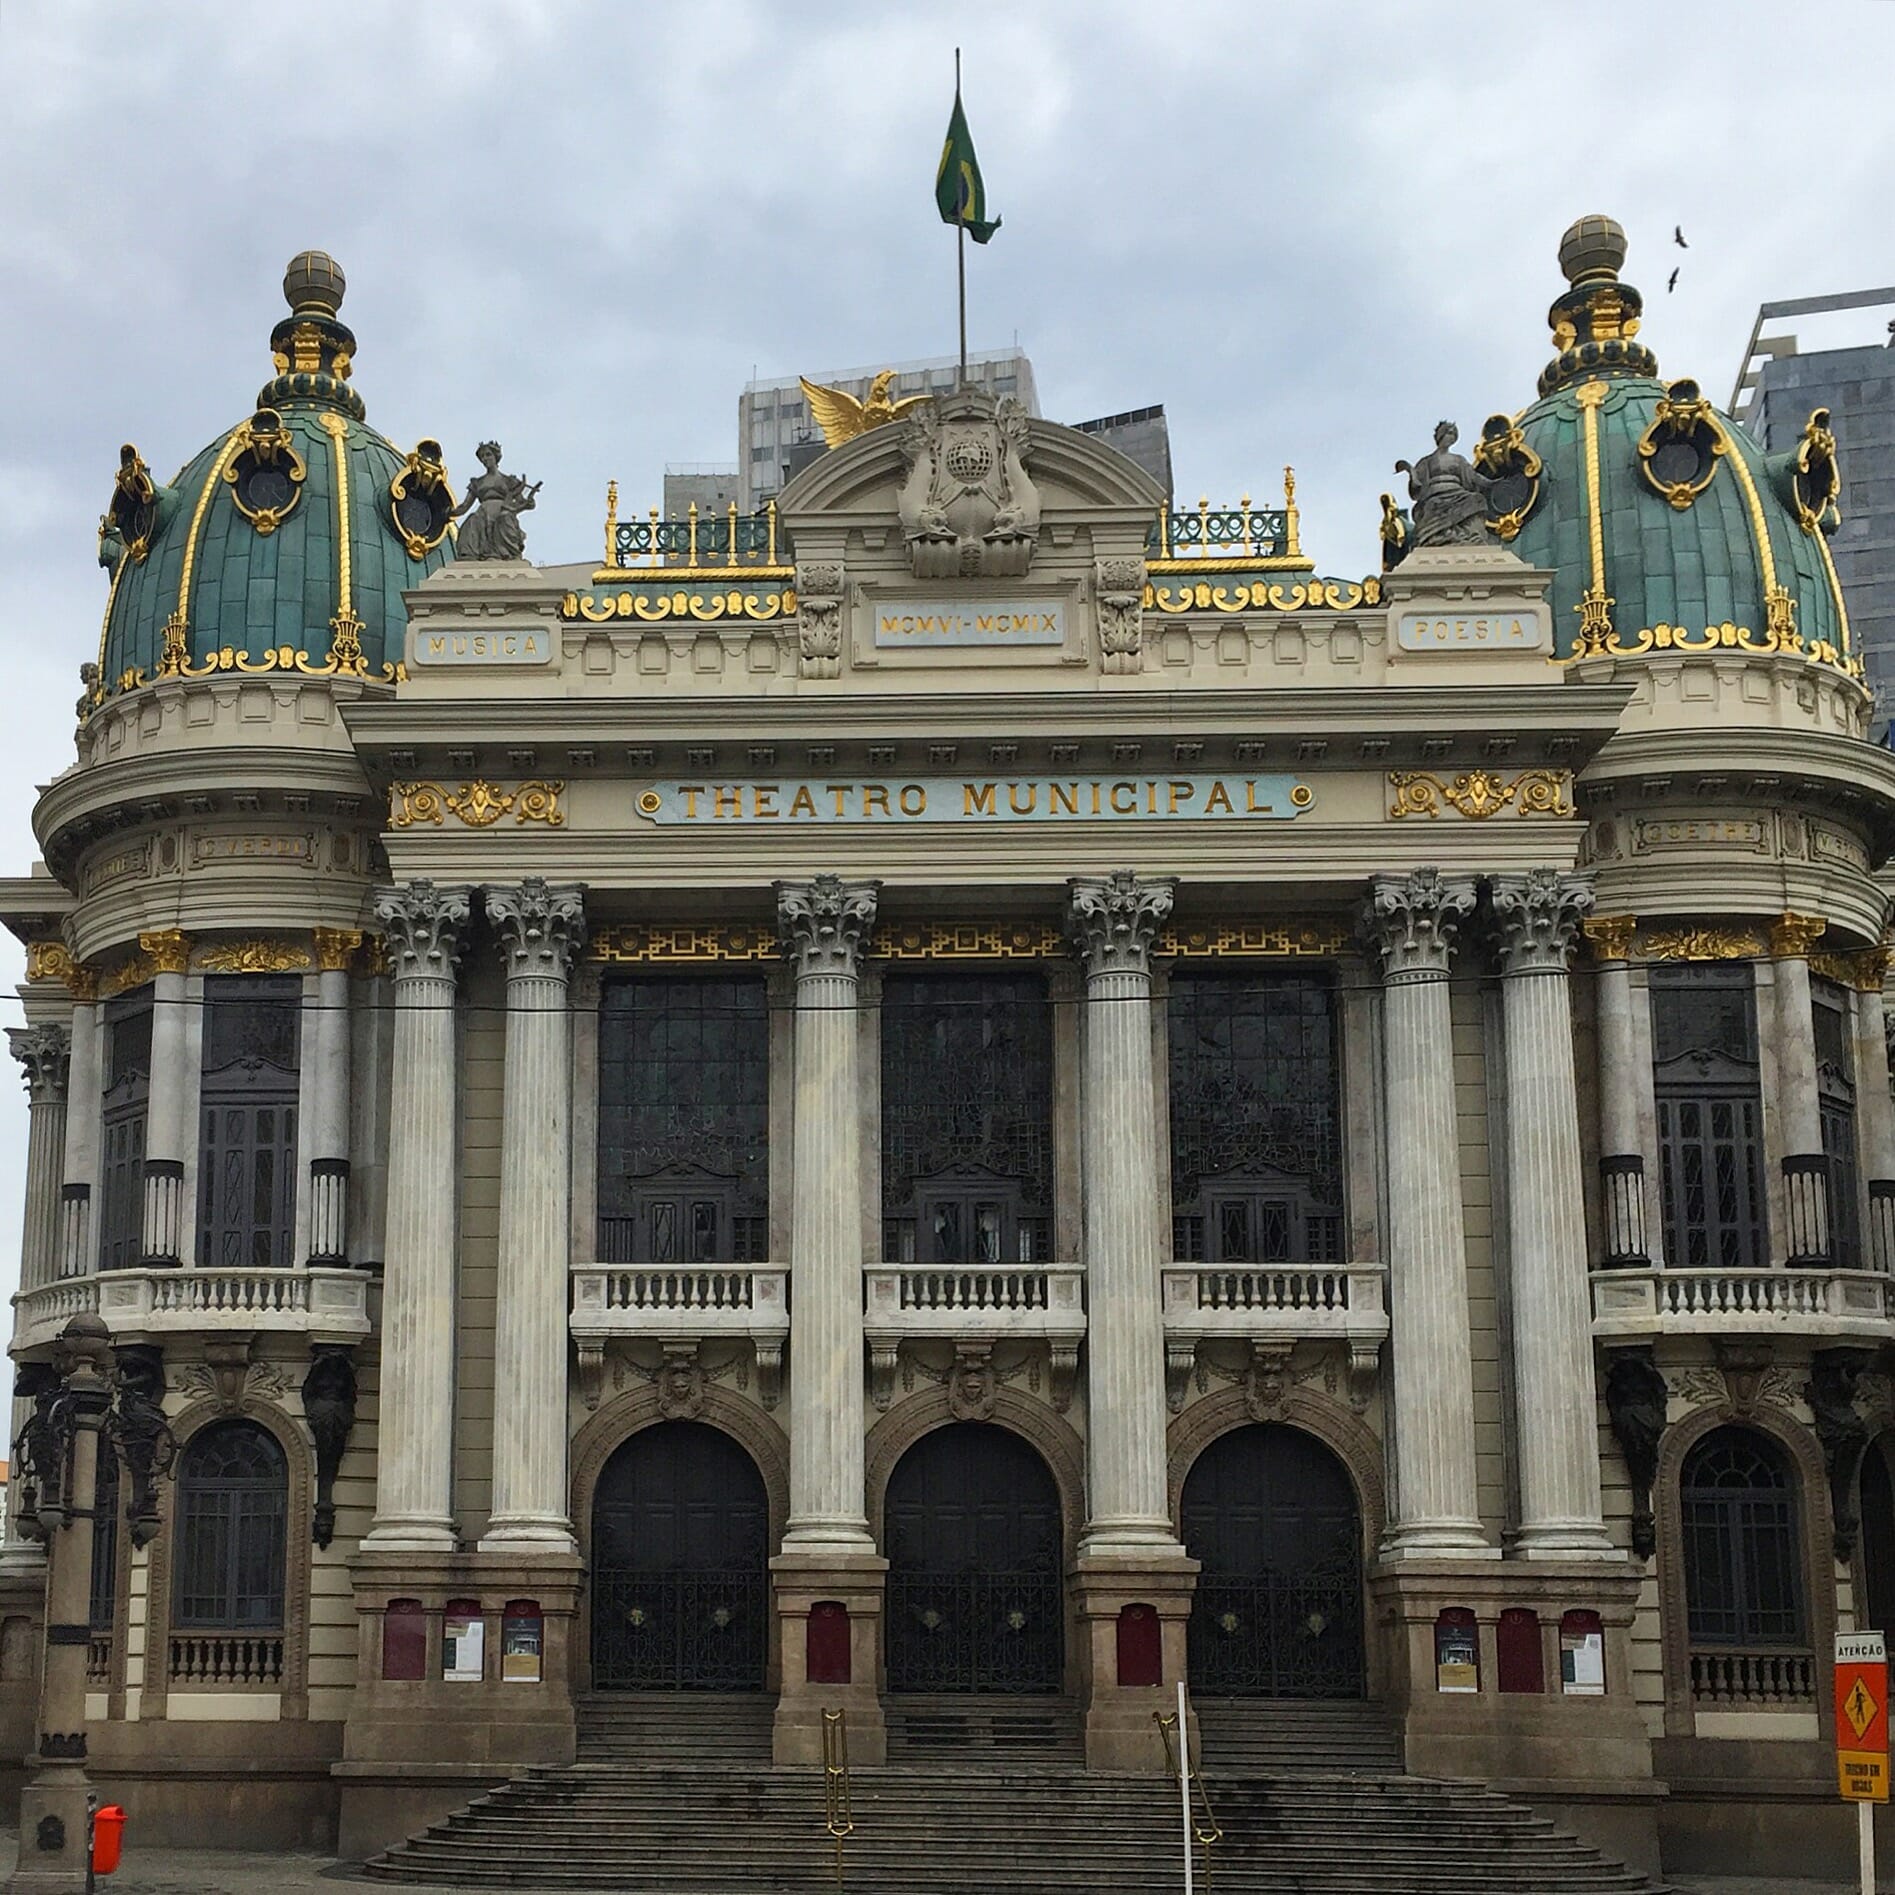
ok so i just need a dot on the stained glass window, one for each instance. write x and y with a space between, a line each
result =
684 1121
1256 1139
967 1119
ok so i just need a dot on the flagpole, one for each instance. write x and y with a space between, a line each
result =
960 246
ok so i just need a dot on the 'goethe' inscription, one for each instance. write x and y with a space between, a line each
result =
979 800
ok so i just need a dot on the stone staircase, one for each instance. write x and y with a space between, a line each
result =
671 1797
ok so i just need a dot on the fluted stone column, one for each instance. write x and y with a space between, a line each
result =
825 924
424 927
1111 922
78 1214
326 1046
1625 1154
1414 919
1561 1516
45 1054
1799 1107
168 1130
1875 1112
540 930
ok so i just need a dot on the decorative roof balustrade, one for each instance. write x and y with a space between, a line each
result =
1239 537
702 541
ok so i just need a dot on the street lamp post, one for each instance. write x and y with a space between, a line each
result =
74 1420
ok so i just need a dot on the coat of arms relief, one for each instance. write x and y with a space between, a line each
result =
968 508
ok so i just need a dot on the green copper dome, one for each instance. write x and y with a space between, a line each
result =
1666 526
287 543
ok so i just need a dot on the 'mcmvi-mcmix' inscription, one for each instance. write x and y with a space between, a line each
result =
980 800
932 622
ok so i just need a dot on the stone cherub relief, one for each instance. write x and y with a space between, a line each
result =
1448 495
968 508
493 504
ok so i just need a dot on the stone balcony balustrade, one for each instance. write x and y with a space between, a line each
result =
973 1306
1273 1307
679 1308
150 1305
1641 1305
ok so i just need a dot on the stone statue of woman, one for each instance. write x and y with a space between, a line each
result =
1449 494
493 505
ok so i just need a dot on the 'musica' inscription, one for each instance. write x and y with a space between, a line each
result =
527 645
980 800
934 622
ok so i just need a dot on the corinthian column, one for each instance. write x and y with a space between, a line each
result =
45 1054
1414 920
825 924
1560 1512
540 930
328 1133
423 926
1111 923
167 1112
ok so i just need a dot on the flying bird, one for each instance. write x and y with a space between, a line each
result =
1673 284
1677 237
841 417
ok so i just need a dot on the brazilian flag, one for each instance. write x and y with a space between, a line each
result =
958 190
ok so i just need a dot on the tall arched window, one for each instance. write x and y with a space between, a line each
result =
1742 1557
233 1507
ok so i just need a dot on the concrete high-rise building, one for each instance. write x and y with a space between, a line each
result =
1778 387
1142 435
777 436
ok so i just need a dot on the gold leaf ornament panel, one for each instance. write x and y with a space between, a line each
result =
476 804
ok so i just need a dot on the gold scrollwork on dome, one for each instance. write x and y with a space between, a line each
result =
1479 794
420 501
174 664
477 804
1513 471
1815 477
265 473
1679 452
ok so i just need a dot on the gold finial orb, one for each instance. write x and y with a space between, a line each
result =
314 281
1593 249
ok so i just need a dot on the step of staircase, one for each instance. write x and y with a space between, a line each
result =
1016 1828
675 1726
983 1729
1265 1735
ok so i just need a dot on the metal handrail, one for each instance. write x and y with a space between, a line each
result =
1204 1824
839 1810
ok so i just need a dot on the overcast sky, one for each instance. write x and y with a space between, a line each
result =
1308 230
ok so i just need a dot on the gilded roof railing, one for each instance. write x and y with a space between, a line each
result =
704 541
1243 536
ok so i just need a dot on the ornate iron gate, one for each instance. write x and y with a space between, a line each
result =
680 1591
1270 1513
975 1601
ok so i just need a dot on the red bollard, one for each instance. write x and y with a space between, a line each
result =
108 1838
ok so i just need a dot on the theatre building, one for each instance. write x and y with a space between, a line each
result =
968 1097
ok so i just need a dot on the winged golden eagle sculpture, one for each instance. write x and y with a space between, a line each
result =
841 417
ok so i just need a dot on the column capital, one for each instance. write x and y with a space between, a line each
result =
424 928
824 923
1611 935
1412 919
43 1053
1539 915
1792 936
335 948
167 949
541 925
1111 920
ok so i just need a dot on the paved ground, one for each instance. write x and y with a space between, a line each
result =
226 1872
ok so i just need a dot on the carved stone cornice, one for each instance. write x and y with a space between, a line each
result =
1113 920
1412 919
44 1053
824 923
424 928
1539 915
541 927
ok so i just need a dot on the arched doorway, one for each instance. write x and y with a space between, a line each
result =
1742 1548
680 1586
972 1535
1270 1514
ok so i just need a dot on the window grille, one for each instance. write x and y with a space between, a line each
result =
967 1118
124 1104
247 1123
1256 1119
684 1121
233 1507
1836 1106
1742 1558
1710 1116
